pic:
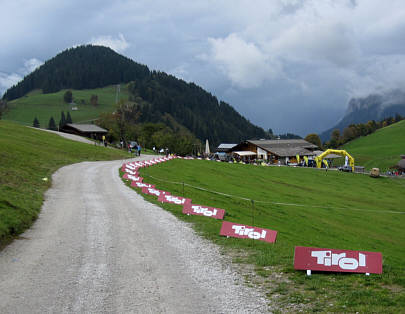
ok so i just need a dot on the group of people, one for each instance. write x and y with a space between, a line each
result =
133 147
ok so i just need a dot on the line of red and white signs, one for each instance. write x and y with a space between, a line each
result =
305 258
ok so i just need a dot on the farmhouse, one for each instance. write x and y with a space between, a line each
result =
283 151
86 130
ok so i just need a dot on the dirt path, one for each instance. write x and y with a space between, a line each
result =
98 247
68 136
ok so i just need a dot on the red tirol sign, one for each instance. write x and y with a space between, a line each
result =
309 258
200 210
231 229
153 191
141 185
132 177
167 198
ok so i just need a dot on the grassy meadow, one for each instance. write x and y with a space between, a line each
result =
381 149
26 157
43 106
308 207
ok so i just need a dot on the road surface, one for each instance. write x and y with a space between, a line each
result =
98 247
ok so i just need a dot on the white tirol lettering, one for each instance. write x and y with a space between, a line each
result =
238 229
337 257
129 171
254 235
320 255
362 260
348 263
328 259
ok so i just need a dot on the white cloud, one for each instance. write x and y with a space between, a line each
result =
293 41
8 80
243 62
31 65
119 44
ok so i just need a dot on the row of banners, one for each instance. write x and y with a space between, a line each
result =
305 258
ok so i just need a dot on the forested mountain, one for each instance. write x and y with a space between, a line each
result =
156 95
192 107
84 67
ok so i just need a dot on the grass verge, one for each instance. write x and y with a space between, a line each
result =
337 210
27 156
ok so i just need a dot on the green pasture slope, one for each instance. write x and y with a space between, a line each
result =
36 104
332 210
26 157
381 149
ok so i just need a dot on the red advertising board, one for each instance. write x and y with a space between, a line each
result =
201 210
132 177
141 185
130 171
129 166
309 258
153 191
178 200
235 230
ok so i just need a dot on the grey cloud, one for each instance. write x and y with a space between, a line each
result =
287 64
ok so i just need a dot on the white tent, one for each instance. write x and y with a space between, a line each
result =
207 147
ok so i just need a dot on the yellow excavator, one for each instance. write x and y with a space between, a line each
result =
344 153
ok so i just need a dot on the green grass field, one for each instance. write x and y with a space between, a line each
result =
43 106
381 149
27 156
332 210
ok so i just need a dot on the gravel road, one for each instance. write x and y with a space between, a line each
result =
68 136
98 247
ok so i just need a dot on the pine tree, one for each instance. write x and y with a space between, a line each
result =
68 118
51 124
68 96
35 124
62 120
94 100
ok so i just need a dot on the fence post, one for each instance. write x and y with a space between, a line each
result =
253 212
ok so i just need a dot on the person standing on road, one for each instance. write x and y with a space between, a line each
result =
139 150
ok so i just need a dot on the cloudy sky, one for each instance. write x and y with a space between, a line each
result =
289 65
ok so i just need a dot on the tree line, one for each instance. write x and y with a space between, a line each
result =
352 132
52 124
123 125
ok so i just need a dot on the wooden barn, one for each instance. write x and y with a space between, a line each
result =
274 151
86 130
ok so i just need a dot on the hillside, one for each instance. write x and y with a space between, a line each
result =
156 95
83 67
381 149
36 104
28 156
373 107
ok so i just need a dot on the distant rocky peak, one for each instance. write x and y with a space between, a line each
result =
376 101
364 103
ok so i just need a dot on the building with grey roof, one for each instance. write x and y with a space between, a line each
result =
86 130
278 150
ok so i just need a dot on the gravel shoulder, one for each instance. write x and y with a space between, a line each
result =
99 247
